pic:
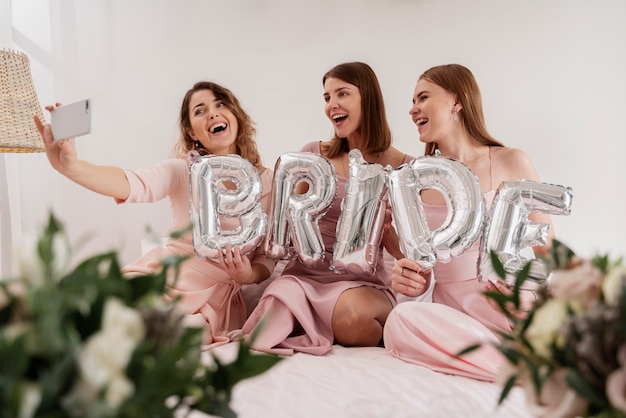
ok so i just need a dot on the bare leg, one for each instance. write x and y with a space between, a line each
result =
359 317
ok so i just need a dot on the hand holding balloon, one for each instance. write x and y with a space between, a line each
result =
237 266
409 278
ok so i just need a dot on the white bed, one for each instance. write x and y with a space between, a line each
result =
364 382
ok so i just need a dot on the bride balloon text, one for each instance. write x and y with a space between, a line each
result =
305 187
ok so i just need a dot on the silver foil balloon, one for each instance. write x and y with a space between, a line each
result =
360 225
225 190
510 234
293 229
466 209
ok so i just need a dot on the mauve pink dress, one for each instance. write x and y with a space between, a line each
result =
430 334
211 299
298 305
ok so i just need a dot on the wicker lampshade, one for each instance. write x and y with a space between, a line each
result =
18 104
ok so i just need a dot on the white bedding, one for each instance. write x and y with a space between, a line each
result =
364 382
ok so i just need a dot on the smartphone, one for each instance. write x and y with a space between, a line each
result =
71 120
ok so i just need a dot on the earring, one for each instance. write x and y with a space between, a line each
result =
455 117
197 144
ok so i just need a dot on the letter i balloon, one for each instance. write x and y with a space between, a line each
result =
360 225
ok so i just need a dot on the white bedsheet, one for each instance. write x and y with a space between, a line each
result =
364 382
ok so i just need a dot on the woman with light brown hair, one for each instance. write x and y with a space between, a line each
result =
447 109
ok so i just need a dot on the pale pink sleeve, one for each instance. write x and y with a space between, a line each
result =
156 182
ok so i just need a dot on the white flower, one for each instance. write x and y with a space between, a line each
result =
31 397
545 326
31 265
120 389
108 351
106 354
121 319
613 283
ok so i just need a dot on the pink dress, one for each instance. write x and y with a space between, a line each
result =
211 299
430 334
299 303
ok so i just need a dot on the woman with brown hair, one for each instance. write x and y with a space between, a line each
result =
310 308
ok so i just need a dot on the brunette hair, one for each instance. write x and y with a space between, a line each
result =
245 143
375 132
460 81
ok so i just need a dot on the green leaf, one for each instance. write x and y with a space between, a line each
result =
561 255
577 382
497 265
468 350
509 384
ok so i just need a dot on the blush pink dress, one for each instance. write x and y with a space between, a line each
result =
295 310
210 298
430 334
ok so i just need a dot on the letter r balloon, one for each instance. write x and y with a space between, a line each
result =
305 186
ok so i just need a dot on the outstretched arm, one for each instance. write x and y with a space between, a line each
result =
105 180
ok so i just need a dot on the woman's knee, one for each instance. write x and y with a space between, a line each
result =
359 316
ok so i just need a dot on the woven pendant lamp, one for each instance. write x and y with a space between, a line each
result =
18 104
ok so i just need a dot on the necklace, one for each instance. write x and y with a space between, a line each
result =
380 154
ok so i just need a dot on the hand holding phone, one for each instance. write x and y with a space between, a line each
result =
71 120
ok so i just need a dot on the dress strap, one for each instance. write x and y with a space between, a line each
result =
490 169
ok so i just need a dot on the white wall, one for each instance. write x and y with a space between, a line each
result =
552 74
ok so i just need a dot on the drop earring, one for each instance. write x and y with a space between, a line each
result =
197 144
455 117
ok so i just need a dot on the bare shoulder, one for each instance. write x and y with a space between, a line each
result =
316 147
393 157
513 164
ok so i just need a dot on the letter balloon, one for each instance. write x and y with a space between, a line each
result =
305 186
511 235
224 202
466 209
360 225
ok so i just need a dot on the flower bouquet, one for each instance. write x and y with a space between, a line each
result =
87 342
569 351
